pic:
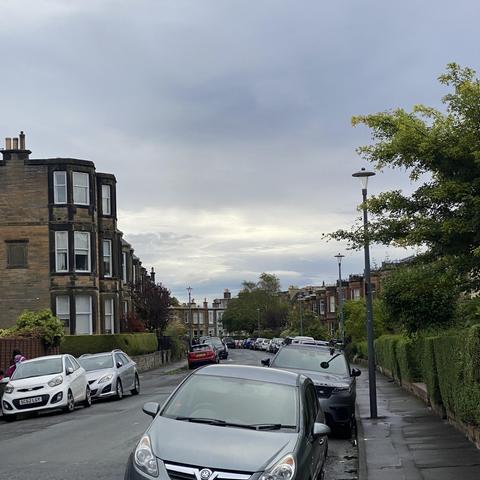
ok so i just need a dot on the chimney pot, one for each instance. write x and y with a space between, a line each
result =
15 144
8 143
22 140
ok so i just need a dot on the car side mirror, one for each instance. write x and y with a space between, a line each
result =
5 380
69 370
325 365
266 362
151 409
119 364
356 372
320 430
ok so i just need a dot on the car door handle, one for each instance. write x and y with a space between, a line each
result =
321 441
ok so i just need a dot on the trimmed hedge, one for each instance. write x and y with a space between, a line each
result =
408 354
429 371
131 343
386 354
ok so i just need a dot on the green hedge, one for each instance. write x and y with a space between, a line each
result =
386 354
429 370
131 343
409 354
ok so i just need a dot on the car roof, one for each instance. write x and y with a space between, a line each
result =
43 358
248 372
309 346
85 355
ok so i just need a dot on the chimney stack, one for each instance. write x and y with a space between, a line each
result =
152 275
22 140
8 143
15 143
15 148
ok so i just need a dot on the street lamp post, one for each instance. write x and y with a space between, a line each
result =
340 297
301 317
258 320
363 175
189 290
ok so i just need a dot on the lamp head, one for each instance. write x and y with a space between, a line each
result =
363 176
339 257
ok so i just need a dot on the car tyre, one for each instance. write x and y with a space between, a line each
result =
136 386
88 398
119 390
70 406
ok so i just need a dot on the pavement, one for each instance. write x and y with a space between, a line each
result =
408 441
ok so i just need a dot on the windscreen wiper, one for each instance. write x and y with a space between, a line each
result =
216 422
271 426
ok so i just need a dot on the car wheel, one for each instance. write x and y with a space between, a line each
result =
70 406
136 387
88 398
119 390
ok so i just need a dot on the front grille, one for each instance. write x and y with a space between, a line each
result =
29 389
187 472
44 401
323 391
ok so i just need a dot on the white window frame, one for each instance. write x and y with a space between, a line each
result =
63 315
89 266
331 304
124 267
107 257
76 186
125 307
62 250
89 313
357 293
108 301
57 185
106 199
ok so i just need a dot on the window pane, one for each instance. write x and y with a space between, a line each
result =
107 246
81 240
83 316
80 179
83 324
17 254
106 199
80 188
61 240
82 304
63 305
108 306
82 251
81 262
60 187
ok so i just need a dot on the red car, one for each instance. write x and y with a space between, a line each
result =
202 354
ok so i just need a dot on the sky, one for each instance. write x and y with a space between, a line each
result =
227 123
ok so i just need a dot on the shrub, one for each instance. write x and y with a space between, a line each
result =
408 355
385 354
429 371
131 343
176 331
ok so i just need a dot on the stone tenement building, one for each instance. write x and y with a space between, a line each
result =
59 243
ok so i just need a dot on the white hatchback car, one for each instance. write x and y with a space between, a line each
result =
55 381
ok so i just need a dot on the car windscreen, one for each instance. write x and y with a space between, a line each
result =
235 400
38 368
202 347
96 363
310 359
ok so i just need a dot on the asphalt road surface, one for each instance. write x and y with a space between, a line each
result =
95 443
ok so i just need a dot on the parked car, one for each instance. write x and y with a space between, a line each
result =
221 409
110 374
301 339
335 382
44 383
275 345
219 347
265 345
229 342
249 343
238 343
202 354
258 343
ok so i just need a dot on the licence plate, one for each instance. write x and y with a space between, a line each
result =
30 401
201 355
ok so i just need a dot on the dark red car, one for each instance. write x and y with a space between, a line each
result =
202 354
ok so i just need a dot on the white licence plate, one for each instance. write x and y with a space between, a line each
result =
30 401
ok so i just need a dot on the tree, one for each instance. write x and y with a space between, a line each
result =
306 323
355 314
152 304
420 297
441 153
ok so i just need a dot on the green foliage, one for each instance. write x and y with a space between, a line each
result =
408 354
152 303
176 331
131 343
418 297
441 152
429 370
41 324
386 355
467 312
355 314
312 325
257 303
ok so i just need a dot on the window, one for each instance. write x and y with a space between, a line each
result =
210 317
125 307
68 364
82 251
331 301
83 315
356 294
322 307
60 187
63 310
81 188
106 200
124 267
107 258
17 254
108 315
61 251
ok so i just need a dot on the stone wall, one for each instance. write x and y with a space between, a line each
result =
152 360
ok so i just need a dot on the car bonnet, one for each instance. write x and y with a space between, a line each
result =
217 447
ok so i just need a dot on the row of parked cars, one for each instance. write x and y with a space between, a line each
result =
63 381
250 422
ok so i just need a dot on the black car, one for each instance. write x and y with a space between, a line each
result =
229 342
219 346
335 382
221 423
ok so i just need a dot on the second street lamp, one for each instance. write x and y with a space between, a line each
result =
340 297
189 290
364 175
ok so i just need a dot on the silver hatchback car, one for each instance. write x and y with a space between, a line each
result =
110 374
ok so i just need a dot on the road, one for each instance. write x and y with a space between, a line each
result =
95 442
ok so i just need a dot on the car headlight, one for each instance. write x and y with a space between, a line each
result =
106 378
342 389
283 470
9 388
55 381
144 458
